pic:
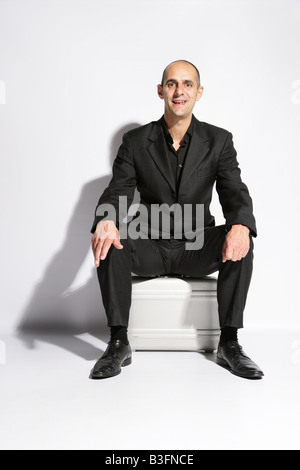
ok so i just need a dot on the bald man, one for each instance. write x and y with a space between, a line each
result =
175 161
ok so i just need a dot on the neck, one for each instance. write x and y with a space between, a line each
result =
178 126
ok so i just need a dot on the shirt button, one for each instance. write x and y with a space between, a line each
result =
180 166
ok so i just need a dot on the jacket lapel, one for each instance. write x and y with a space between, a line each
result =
159 153
199 147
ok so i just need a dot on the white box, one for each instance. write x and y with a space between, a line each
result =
174 313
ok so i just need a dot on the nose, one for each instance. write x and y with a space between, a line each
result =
179 90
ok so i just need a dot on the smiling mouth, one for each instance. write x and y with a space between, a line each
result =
179 102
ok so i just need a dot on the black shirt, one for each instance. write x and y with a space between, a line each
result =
177 158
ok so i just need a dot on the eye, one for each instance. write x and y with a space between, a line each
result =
170 84
189 85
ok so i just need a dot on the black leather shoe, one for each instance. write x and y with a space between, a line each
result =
232 356
117 355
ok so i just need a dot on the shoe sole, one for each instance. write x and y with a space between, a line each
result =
127 362
221 362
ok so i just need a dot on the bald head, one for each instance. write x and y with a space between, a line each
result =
165 72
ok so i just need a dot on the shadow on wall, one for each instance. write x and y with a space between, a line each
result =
53 309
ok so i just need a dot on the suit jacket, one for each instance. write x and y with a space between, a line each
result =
142 162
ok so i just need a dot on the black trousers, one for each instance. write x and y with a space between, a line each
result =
147 257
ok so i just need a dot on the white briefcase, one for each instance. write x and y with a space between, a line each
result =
174 313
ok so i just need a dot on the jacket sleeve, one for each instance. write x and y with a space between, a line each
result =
123 183
233 193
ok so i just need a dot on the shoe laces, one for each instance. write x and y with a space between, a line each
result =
112 348
236 347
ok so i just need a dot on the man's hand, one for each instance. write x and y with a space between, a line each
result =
237 243
106 234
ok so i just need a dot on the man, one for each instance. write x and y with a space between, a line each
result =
176 160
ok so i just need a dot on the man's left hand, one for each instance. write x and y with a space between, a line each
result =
237 243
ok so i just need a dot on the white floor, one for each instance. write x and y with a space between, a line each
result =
163 401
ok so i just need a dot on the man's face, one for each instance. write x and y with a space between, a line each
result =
180 90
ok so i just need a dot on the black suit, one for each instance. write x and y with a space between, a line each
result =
142 162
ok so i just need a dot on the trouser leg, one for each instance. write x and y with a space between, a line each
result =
233 285
234 277
151 258
140 257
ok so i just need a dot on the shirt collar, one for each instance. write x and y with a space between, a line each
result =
187 135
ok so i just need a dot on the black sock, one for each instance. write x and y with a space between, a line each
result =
228 333
119 332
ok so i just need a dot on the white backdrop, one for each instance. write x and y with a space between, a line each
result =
75 75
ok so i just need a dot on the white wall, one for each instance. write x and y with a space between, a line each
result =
76 74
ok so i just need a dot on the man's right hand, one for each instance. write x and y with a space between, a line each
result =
106 234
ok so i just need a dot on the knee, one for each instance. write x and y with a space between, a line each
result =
116 255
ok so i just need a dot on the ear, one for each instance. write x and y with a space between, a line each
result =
199 93
160 92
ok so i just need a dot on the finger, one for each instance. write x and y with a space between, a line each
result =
244 249
117 242
229 254
245 252
106 246
242 253
95 243
238 256
97 252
